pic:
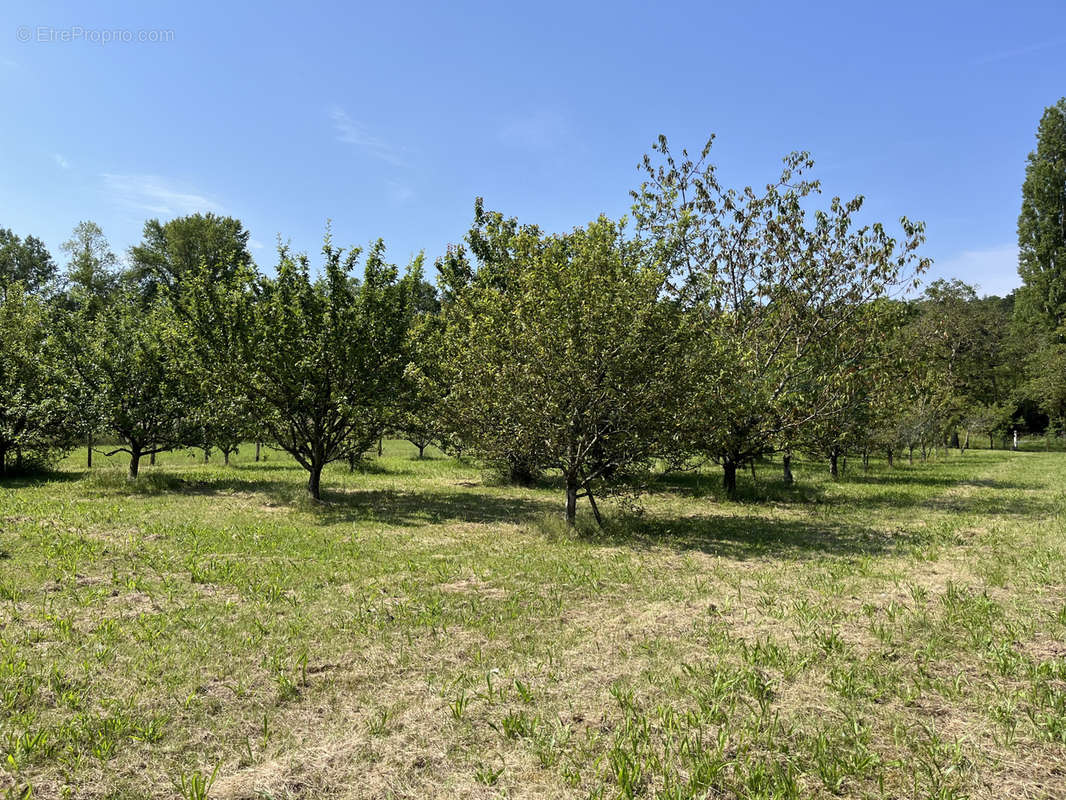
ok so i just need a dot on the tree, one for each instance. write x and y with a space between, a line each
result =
1040 313
172 252
847 398
26 261
34 407
564 353
769 287
133 363
326 357
1042 222
499 246
90 275
90 281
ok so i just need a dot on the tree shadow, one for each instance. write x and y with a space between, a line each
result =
760 490
389 506
741 537
918 479
25 480
415 508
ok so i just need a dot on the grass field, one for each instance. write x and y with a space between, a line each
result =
427 634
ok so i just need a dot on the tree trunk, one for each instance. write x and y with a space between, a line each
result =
844 464
729 478
421 450
865 460
135 463
752 465
910 455
257 446
380 438
571 500
595 508
151 460
225 457
314 482
890 458
207 455
833 470
786 461
966 442
89 451
991 442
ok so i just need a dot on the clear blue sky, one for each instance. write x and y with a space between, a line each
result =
391 118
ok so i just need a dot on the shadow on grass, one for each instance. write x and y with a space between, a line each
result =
761 490
25 480
389 506
410 508
742 537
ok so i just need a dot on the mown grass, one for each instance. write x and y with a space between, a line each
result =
427 633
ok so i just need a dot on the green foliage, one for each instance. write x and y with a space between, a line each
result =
562 354
90 276
326 356
1041 227
25 261
174 251
135 377
772 290
34 389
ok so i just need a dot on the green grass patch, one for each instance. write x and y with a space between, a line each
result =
425 632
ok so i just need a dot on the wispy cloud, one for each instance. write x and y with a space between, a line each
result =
255 244
61 162
1016 52
993 270
539 130
400 193
353 132
156 195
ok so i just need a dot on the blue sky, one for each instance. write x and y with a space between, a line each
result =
391 118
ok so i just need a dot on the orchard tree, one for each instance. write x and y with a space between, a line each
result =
420 417
499 247
565 353
768 287
134 365
327 356
856 367
35 410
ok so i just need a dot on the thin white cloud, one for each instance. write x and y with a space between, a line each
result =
1016 52
350 131
61 162
993 270
540 130
156 195
400 193
255 244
